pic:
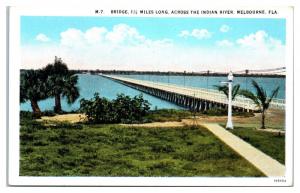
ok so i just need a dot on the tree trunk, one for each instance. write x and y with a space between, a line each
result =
35 109
263 119
57 108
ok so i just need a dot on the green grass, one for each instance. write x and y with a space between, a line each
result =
273 144
110 150
163 115
224 112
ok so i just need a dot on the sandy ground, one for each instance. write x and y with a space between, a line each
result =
71 118
274 120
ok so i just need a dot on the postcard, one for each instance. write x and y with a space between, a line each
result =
151 96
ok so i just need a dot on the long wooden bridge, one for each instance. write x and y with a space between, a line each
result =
197 99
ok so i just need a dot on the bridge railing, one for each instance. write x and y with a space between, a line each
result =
207 94
239 101
220 97
204 93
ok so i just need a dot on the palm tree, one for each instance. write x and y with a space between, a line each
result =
224 89
33 88
260 99
70 89
62 83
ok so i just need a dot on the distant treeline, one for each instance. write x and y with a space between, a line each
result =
206 73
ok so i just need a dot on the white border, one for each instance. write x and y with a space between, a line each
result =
14 66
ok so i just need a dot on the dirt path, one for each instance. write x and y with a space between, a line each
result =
274 120
269 166
260 160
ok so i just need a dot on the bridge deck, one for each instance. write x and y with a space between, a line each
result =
199 93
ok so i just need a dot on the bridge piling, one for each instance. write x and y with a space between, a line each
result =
197 99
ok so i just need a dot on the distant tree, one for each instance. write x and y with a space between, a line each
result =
61 82
224 89
33 88
260 98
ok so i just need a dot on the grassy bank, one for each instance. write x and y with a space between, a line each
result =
163 115
273 144
62 149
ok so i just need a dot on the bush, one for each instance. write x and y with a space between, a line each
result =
216 112
26 115
123 109
48 113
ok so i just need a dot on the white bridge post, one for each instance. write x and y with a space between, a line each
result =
229 124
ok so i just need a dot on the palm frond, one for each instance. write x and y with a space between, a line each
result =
222 88
260 92
235 91
274 94
250 95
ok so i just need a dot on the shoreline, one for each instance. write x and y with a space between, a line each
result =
174 73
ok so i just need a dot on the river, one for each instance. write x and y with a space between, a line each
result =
89 84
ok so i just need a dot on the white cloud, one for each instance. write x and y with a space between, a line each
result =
196 33
259 40
125 48
123 33
159 43
184 33
224 43
224 28
201 33
42 38
162 58
72 37
120 35
95 34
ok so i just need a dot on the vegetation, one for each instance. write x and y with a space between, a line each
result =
123 109
54 80
163 115
33 88
272 144
62 149
223 112
224 89
61 83
261 99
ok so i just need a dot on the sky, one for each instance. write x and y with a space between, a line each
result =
155 44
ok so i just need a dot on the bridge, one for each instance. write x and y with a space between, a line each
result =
197 99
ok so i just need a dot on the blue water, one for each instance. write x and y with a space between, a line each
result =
89 84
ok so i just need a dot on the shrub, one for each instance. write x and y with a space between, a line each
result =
26 115
123 109
49 113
